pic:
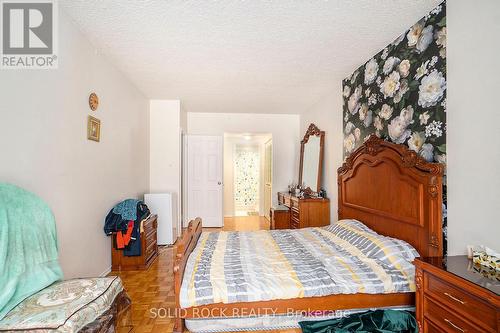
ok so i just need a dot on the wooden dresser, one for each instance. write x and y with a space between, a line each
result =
453 297
149 250
306 212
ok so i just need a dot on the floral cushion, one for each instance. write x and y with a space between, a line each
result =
65 306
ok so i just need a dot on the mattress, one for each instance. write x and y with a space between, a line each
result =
344 258
65 306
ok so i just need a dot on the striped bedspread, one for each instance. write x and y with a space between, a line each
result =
344 258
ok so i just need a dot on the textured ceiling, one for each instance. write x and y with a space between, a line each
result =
250 56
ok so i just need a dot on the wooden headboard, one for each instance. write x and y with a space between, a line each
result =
395 192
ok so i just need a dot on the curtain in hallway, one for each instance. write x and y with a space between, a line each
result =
246 179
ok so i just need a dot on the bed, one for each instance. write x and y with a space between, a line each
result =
394 193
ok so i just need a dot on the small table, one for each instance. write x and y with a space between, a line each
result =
280 217
454 296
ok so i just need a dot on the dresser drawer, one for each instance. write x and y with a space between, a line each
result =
446 320
150 236
429 327
149 224
461 302
294 219
150 249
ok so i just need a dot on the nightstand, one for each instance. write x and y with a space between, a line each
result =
452 296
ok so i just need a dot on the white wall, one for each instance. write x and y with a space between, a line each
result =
164 122
473 119
165 118
283 128
327 115
45 148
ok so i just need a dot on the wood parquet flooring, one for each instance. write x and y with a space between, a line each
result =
152 291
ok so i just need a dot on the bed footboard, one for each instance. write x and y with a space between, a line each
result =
185 246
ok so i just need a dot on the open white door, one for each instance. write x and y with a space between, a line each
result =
268 178
204 180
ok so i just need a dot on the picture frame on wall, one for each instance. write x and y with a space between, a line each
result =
93 129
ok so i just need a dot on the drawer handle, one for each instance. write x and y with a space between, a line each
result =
454 298
453 325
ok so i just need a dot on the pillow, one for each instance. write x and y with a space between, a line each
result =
391 246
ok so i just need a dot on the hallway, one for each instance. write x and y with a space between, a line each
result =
246 223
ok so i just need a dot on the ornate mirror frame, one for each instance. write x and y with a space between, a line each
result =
312 130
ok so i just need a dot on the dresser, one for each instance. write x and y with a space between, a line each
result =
305 212
452 296
149 249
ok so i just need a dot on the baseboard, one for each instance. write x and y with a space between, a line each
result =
106 272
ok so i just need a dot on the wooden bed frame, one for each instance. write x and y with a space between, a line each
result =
386 186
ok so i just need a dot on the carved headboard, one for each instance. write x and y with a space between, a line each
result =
395 192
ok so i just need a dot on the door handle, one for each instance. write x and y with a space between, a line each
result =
453 325
219 183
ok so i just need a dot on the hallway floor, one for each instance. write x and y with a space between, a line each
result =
246 223
152 291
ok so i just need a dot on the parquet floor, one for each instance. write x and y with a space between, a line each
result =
152 291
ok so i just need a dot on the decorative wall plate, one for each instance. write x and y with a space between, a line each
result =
93 101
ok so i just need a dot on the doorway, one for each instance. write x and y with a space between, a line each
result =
246 164
247 181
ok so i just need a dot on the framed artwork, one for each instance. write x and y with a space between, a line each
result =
94 129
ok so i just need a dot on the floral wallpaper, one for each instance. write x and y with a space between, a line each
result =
246 178
400 93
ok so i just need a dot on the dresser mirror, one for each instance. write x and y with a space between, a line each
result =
311 159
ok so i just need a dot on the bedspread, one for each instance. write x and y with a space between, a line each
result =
65 306
344 258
